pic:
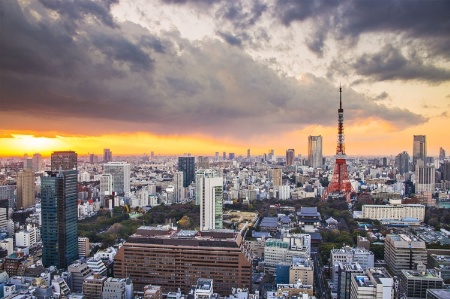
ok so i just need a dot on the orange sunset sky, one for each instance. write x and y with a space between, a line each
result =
201 77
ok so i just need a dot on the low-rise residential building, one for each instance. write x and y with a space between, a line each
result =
97 266
114 288
93 286
152 292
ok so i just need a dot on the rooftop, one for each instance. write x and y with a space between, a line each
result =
429 274
209 238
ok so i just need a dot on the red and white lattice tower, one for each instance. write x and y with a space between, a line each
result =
340 183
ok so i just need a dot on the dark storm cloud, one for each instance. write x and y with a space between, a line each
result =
391 64
93 73
76 10
230 39
352 17
382 96
424 23
239 16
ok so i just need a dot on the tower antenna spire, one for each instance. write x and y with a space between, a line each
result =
340 182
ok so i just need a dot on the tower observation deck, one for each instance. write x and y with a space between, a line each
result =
340 185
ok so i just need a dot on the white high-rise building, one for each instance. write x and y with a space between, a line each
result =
284 192
106 186
315 151
178 195
26 237
425 177
84 176
120 172
209 193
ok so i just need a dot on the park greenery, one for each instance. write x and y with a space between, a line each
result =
109 227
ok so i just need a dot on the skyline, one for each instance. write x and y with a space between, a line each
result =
205 76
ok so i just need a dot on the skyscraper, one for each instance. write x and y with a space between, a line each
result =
120 172
248 153
441 154
402 162
425 178
25 189
107 155
315 151
37 162
93 159
446 171
290 154
231 156
276 177
64 160
178 186
106 187
59 218
419 149
209 194
187 166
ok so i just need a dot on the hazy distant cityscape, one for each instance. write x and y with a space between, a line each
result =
269 226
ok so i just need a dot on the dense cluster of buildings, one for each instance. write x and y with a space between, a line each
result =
41 201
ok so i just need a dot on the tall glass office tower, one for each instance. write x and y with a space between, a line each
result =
59 229
187 166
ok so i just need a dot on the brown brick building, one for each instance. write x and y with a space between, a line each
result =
175 260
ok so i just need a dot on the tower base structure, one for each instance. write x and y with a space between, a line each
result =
340 185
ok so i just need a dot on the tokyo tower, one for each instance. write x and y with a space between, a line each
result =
340 182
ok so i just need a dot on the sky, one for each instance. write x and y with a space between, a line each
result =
206 76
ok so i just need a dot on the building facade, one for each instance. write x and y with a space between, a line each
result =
290 155
107 155
315 151
64 160
277 177
419 149
414 283
187 166
396 212
120 172
402 251
25 189
59 229
425 178
402 162
173 260
375 284
209 195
